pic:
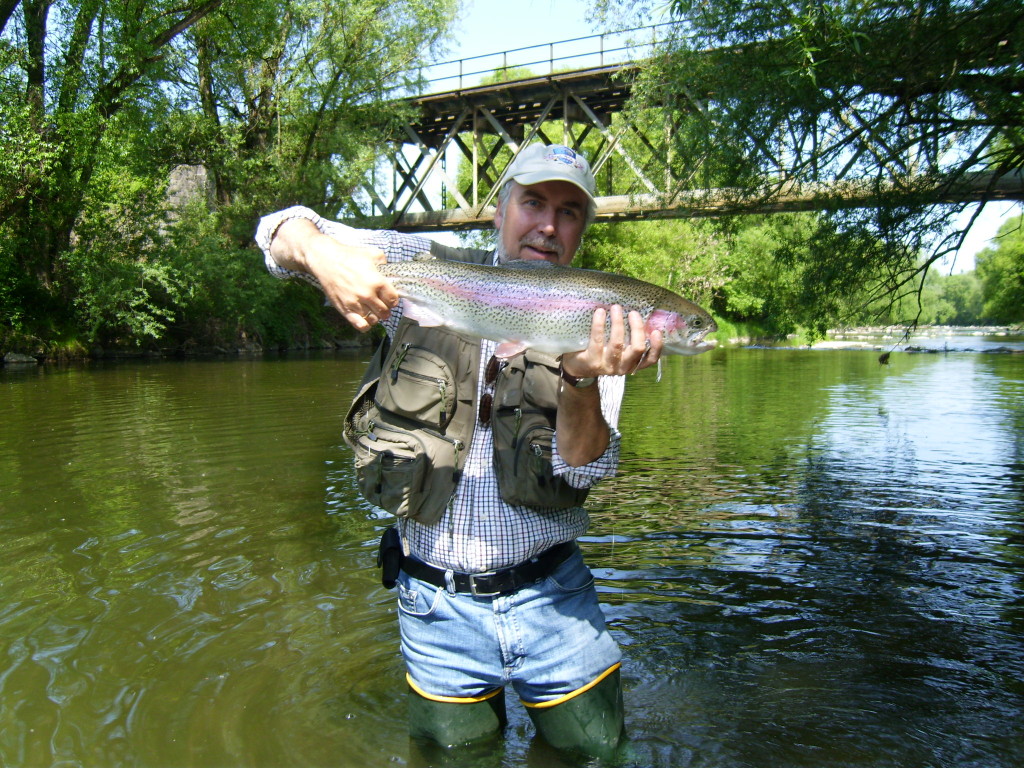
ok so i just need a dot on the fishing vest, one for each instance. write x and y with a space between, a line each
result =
415 412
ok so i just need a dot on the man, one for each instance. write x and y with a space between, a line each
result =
487 470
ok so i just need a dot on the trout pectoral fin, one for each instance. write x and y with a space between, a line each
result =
509 349
426 317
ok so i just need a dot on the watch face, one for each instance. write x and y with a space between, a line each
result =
585 382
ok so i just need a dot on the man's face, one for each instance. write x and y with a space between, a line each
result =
542 221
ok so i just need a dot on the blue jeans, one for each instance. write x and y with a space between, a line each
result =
547 640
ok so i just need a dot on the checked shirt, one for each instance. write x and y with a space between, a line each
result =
478 531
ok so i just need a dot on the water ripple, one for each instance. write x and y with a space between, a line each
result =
808 558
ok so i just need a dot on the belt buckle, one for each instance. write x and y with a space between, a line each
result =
480 593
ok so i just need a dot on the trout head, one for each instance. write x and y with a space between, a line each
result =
683 331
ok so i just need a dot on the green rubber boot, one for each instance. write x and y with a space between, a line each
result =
452 723
591 722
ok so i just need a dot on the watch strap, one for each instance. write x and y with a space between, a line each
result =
576 381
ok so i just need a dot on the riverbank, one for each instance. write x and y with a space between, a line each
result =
925 339
37 352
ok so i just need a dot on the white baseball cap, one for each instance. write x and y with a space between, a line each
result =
553 162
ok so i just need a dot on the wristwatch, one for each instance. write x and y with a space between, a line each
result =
576 381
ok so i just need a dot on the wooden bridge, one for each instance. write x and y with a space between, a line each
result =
449 160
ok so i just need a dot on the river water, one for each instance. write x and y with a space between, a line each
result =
809 558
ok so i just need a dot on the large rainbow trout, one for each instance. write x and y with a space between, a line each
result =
538 305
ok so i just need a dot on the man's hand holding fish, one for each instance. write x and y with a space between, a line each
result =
347 274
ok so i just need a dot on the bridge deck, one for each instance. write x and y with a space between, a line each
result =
518 104
483 126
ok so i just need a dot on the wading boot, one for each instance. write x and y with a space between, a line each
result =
453 723
589 721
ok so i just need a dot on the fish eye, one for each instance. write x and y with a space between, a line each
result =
697 322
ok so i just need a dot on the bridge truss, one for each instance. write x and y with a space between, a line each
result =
448 161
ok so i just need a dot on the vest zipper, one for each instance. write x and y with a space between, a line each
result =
398 362
457 445
515 432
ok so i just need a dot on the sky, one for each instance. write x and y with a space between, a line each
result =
489 26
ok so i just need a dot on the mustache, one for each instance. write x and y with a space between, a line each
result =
543 243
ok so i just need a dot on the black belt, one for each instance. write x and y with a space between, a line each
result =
494 582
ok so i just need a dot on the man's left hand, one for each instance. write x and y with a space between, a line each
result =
612 355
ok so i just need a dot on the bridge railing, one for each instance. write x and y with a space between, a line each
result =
586 52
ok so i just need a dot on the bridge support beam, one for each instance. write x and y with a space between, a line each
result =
448 164
980 187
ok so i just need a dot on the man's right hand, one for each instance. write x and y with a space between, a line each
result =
347 274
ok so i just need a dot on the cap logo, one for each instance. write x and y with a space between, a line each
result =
564 155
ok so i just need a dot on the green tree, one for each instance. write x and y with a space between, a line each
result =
69 69
962 299
906 99
282 101
684 256
298 98
1001 271
942 300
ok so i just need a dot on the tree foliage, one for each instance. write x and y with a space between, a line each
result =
848 90
687 257
910 99
281 101
288 102
1001 272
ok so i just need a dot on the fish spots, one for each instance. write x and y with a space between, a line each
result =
524 297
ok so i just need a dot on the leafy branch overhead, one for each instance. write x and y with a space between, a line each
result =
917 100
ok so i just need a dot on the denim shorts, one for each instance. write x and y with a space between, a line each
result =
547 640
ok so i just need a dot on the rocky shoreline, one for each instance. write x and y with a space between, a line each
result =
927 339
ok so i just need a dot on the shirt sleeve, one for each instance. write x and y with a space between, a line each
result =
397 246
268 228
612 390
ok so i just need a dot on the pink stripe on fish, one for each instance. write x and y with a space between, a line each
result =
526 300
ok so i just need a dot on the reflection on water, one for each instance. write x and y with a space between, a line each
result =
809 559
173 593
830 576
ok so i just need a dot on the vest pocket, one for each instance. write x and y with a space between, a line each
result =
522 460
537 453
407 473
418 385
391 466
